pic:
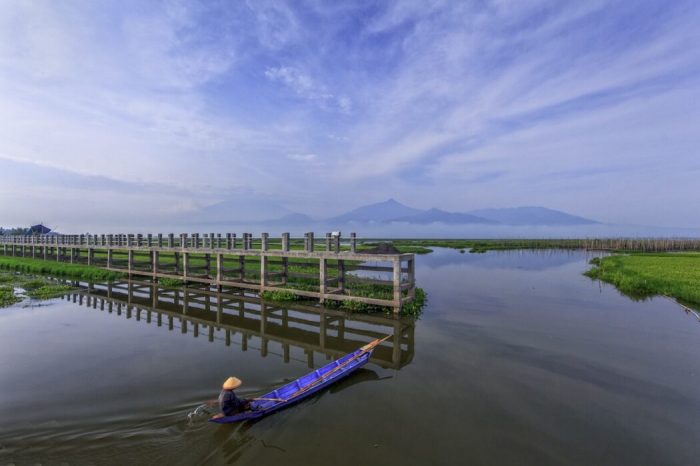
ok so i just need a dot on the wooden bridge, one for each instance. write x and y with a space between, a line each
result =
247 321
329 270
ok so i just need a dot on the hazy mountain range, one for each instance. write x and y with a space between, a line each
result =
392 211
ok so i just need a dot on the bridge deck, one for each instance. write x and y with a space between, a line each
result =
335 273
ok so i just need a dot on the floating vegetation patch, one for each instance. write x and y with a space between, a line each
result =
49 291
8 296
170 283
280 296
413 308
15 288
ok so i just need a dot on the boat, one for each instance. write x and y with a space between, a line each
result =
304 386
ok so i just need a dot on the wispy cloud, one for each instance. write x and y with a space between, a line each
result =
450 104
306 87
302 157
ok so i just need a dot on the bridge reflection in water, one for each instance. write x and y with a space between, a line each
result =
238 317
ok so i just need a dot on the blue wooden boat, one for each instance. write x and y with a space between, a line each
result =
304 386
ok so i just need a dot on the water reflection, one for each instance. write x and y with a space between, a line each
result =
235 318
522 259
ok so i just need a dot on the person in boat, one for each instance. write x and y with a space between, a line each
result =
229 403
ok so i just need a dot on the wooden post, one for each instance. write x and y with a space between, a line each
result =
397 285
264 237
109 258
285 242
322 279
130 260
263 272
341 274
353 242
171 240
285 270
328 242
185 264
155 256
219 272
412 277
241 265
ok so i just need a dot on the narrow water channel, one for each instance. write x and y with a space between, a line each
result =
517 359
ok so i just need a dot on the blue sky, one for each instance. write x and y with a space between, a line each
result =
135 113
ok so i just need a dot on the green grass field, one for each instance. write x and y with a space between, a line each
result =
56 269
643 275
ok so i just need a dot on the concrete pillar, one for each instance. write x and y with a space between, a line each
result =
171 240
328 242
149 240
160 240
264 241
285 242
353 242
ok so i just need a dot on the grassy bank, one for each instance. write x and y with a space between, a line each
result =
643 275
422 246
56 269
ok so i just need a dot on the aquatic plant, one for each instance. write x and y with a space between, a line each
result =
278 295
170 282
49 291
8 296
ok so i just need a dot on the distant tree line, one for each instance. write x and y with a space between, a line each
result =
14 231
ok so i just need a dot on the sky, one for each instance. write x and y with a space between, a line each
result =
133 114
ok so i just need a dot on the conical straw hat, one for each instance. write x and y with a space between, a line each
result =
232 383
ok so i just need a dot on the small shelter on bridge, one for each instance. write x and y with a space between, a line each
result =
38 230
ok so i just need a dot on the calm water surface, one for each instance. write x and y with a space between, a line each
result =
518 359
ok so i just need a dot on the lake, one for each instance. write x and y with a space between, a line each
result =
517 359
